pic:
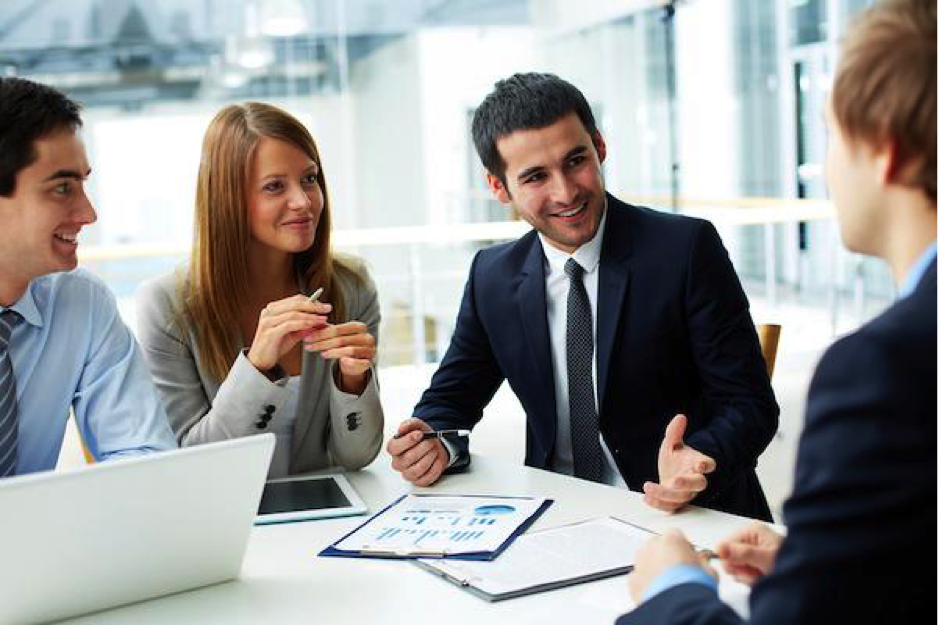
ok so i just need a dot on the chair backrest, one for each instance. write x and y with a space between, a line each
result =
89 457
768 340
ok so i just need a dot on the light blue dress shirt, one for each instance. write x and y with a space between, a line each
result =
71 349
922 263
677 575
687 573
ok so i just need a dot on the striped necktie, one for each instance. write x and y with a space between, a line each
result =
8 418
584 422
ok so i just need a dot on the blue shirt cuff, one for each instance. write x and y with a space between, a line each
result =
677 575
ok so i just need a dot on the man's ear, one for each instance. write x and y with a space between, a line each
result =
891 167
600 144
886 162
498 188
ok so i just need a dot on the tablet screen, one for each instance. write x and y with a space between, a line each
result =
293 495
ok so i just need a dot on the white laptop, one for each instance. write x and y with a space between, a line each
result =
125 530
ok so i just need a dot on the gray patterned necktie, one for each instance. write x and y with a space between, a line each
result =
584 422
8 419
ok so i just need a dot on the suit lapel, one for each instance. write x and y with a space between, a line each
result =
532 305
613 284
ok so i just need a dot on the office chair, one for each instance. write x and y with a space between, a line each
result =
768 340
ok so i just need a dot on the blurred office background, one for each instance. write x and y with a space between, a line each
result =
710 107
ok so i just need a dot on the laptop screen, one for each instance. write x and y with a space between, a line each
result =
293 495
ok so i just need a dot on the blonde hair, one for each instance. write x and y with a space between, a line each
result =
215 290
884 88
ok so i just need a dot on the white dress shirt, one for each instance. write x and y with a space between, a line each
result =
557 285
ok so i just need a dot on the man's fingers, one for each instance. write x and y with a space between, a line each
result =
736 552
417 469
413 455
406 462
411 425
742 554
660 504
691 482
746 574
657 491
397 446
674 434
636 588
706 464
401 442
432 474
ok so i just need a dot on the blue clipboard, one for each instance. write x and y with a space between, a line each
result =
332 551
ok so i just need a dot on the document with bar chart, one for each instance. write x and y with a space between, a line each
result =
441 526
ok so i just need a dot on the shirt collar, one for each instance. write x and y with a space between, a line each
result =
587 255
27 308
918 269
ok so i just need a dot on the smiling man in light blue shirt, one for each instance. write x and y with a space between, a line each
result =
62 343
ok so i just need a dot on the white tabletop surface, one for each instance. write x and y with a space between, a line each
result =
283 581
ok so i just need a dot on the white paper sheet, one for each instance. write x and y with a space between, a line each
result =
546 557
442 524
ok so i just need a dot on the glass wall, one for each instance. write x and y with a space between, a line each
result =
712 107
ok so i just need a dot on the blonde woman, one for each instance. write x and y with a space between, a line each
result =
235 344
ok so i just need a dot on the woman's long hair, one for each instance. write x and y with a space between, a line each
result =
216 288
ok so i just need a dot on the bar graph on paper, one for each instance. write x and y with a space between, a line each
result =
442 524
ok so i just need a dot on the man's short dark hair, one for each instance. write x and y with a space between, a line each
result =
29 111
524 102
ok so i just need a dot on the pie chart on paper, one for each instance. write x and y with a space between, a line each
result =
493 510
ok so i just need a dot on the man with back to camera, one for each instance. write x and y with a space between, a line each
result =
623 331
861 517
62 343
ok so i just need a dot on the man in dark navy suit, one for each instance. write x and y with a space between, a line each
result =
623 331
861 518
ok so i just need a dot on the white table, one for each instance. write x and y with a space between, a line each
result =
283 581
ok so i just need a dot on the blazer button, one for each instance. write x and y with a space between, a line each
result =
352 421
269 408
261 424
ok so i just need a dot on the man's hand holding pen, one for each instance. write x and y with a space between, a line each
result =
421 460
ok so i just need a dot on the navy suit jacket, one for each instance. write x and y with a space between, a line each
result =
861 518
674 335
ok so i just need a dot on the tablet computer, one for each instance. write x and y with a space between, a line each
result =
301 498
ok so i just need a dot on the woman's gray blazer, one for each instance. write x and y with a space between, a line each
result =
332 428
